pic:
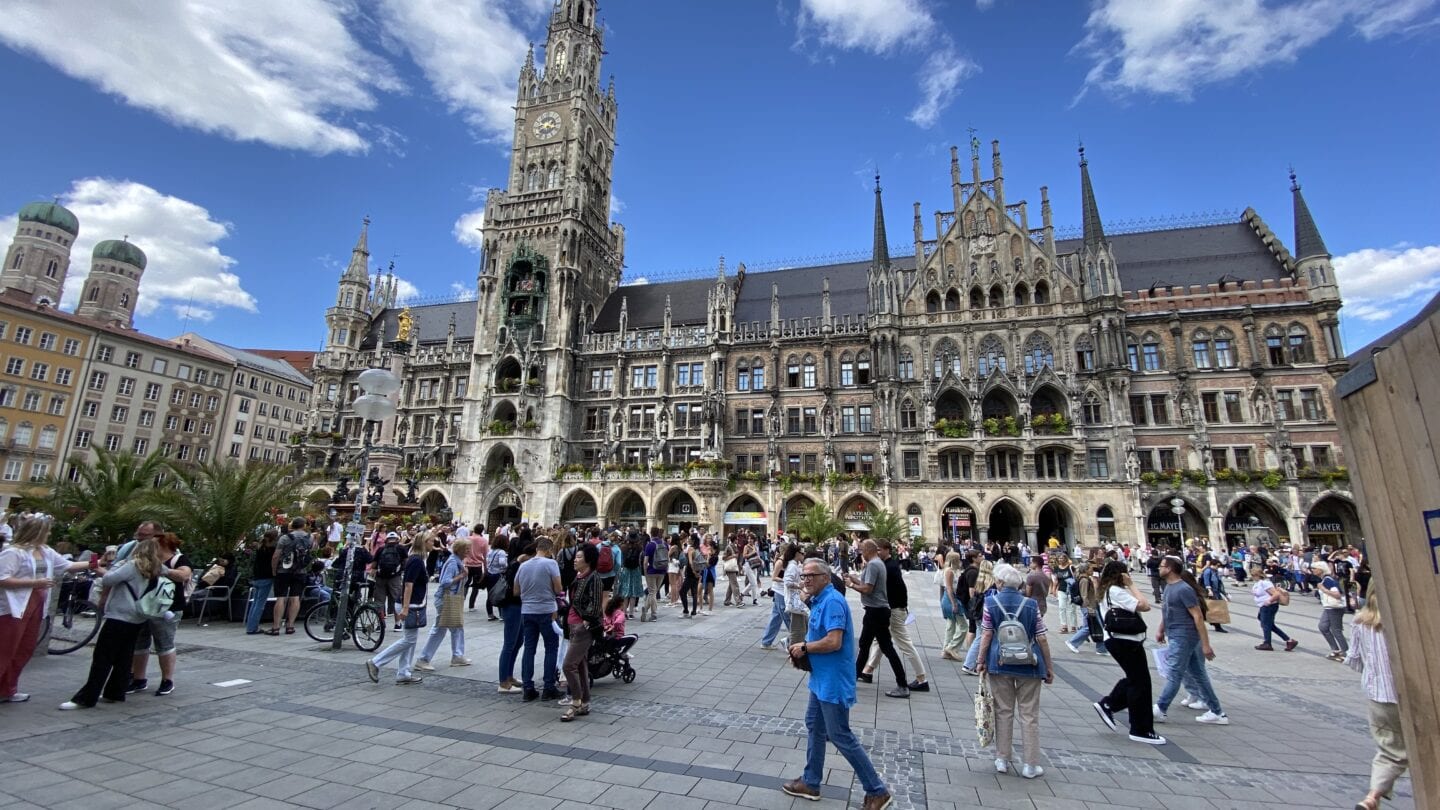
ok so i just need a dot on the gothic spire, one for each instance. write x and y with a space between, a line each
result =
880 252
1089 212
1307 236
359 269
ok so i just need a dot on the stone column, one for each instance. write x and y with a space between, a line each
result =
1032 538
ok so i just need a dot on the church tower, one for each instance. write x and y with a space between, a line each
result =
551 258
39 255
345 322
113 286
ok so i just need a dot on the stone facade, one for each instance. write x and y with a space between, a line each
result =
994 382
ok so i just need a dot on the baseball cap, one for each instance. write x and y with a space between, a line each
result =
392 536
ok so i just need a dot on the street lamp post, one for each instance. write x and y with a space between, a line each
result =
372 406
1177 506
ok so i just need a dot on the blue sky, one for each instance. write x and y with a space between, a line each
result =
240 144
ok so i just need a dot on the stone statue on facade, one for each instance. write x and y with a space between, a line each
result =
342 490
1287 461
412 490
1132 463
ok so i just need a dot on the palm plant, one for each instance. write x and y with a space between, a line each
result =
107 497
887 525
815 525
214 505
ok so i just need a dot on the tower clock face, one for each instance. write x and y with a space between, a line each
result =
547 125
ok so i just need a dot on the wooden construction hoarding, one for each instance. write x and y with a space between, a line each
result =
1390 421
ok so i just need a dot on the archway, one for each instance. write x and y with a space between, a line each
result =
499 463
854 514
998 404
627 507
957 521
507 375
1047 400
1007 524
679 511
1166 530
579 509
1333 522
1105 524
794 507
1254 521
952 406
507 507
746 512
505 412
433 502
1057 521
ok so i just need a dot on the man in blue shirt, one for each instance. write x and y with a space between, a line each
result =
829 646
538 582
1183 620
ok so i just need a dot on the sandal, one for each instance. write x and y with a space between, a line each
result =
582 710
570 714
289 631
274 631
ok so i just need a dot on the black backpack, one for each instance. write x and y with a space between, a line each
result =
389 560
295 558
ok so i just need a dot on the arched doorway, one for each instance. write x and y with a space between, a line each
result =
505 508
579 509
855 513
1057 521
794 507
627 507
957 521
1333 522
1253 521
1167 530
678 510
433 502
1007 524
1105 524
745 512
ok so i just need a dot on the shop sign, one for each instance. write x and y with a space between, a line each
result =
1162 525
745 519
917 526
507 498
1324 526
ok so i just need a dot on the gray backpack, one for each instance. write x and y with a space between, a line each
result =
1016 647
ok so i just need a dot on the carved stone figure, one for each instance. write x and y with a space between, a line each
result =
412 490
342 490
1287 461
1132 464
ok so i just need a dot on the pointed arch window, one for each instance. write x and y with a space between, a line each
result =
1275 345
792 372
862 368
19 257
977 298
808 380
932 302
52 270
1022 294
124 299
1298 342
553 181
1042 292
94 293
1132 353
1085 354
907 415
1092 410
990 357
952 300
1038 354
847 369
907 365
1224 348
1200 348
947 357
997 296
532 179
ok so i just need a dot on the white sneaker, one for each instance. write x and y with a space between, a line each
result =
70 706
1001 766
424 666
459 661
1071 646
1213 719
509 689
1196 704
18 697
1159 715
705 612
565 701
1032 771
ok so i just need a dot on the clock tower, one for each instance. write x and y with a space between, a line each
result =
551 257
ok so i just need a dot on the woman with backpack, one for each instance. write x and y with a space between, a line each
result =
1213 586
1015 658
125 586
631 586
1132 693
693 568
1089 594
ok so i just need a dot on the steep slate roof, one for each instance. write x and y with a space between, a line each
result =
432 323
645 304
1181 256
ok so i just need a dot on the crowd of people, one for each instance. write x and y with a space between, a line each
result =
561 594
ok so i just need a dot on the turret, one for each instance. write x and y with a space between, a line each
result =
346 321
113 286
39 255
1312 258
882 278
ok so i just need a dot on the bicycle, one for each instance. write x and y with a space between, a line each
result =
74 618
363 626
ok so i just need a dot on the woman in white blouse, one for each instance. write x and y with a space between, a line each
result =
28 569
1370 657
1132 693
795 605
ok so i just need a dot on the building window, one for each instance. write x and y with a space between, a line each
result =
757 374
907 415
742 375
90 409
172 422
1310 404
112 442
184 373
810 423
62 376
70 347
867 463
152 392
1002 465
990 357
158 365
862 368
264 409
1138 414
809 375
1154 359
47 438
142 446
132 359
1167 458
689 374
39 471
32 401
23 433
57 406
1038 354
742 421
147 418
1200 347
1132 357
792 463
1210 406
1093 412
1285 404
97 380
1320 456
23 335
644 377
1159 411
1084 354
847 419
1099 463
47 341
792 373
910 463
126 386
757 421
39 371
194 400
866 420
82 439
1224 352
849 463
1219 458
119 413
1299 345
1232 407
907 365
15 366
1242 458
847 370
792 421
234 450
955 465
1054 464
1275 349
13 469
182 453
105 353
177 396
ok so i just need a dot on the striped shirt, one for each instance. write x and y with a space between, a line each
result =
1371 658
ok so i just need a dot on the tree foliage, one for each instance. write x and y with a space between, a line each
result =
887 525
815 525
214 505
107 499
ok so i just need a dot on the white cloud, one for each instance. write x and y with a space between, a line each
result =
939 84
405 291
887 28
463 292
470 52
1379 283
1174 47
635 282
617 206
466 229
286 74
185 265
186 311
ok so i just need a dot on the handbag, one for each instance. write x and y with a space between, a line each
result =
947 609
451 607
984 713
415 618
801 662
1217 611
731 566
1122 622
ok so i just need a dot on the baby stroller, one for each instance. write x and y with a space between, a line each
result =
611 656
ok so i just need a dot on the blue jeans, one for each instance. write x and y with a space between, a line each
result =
1267 622
778 617
510 643
1187 667
437 635
1082 635
537 626
402 651
831 721
972 656
259 595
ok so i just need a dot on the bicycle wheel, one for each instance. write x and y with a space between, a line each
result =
71 629
319 624
368 627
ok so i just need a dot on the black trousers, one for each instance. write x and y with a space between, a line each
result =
110 665
476 582
875 626
1133 692
691 587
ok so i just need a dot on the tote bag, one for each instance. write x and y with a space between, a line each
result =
451 607
1217 611
984 713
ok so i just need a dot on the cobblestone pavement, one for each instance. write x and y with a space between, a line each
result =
712 721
